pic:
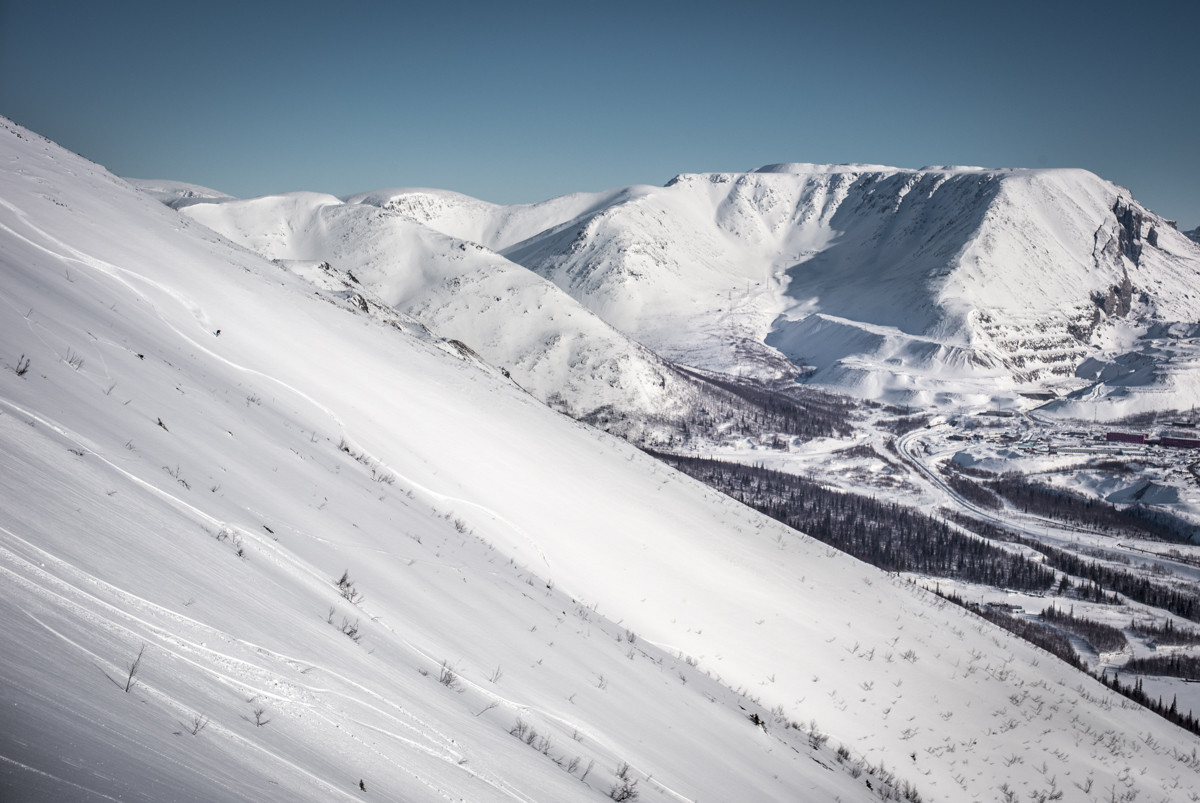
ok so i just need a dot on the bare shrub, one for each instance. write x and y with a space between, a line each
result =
624 788
198 723
131 679
351 629
346 587
816 737
447 676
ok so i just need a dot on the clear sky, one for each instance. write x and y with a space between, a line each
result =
522 101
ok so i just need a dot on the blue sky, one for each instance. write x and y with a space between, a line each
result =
514 102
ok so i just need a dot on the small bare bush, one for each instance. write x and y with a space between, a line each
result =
131 679
447 676
351 629
816 738
346 587
624 788
198 723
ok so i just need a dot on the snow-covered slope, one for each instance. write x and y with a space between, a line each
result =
524 590
514 319
956 284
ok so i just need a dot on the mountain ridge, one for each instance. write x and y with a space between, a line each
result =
1034 271
960 287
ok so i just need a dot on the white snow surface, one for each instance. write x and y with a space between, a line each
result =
549 574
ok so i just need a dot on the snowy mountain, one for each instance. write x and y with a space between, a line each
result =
1193 235
514 319
372 251
958 285
329 554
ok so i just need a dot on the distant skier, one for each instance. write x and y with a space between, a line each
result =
217 333
361 785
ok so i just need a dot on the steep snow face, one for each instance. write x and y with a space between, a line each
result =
513 318
1087 278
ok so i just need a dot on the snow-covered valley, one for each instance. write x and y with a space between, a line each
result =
270 532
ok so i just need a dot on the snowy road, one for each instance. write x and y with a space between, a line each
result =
911 445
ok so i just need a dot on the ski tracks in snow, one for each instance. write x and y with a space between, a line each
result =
133 623
57 779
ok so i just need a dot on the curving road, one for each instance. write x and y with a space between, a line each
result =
1053 533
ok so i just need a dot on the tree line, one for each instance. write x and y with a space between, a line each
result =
1096 514
887 535
896 538
1058 645
1107 580
1104 638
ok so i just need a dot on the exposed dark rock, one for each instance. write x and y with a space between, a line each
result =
1129 230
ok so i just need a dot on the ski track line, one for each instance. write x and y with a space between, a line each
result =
119 275
57 779
167 635
164 638
315 708
103 726
298 693
150 747
282 557
490 779
69 253
167 701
